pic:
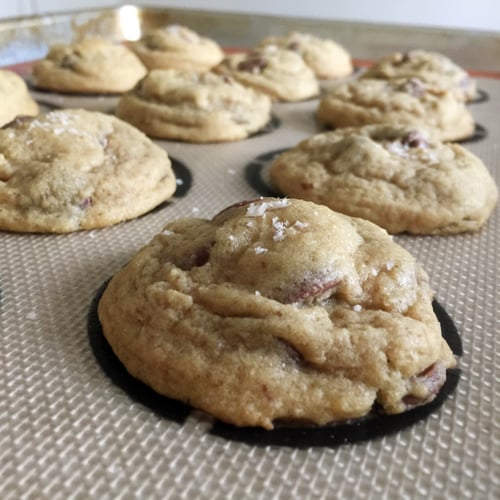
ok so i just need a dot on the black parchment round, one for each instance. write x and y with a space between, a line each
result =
371 427
479 134
481 96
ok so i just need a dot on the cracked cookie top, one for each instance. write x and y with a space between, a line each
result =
194 107
92 65
177 47
397 177
325 57
401 101
278 309
431 67
73 169
280 73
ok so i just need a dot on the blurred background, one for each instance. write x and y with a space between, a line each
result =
483 15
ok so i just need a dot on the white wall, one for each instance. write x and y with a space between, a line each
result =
464 14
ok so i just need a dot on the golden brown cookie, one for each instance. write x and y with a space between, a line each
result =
177 47
195 107
427 66
278 309
92 65
74 169
403 101
282 74
393 176
14 97
325 57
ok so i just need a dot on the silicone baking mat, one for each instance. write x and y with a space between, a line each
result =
67 430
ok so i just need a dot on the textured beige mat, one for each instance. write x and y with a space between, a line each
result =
67 431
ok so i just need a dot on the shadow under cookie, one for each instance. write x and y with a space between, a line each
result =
256 173
184 182
114 369
296 435
105 103
481 96
273 124
479 134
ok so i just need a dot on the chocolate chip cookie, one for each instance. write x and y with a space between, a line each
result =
73 169
325 57
394 176
402 101
278 310
92 65
194 107
14 97
280 73
431 67
177 47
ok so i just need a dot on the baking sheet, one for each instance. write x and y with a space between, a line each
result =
68 431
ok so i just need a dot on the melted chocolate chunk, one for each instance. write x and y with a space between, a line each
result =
405 58
152 43
202 256
309 290
17 121
69 61
433 379
414 139
86 203
415 87
227 79
255 63
238 204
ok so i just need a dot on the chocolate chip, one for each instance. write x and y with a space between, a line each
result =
201 257
414 87
253 64
405 58
414 139
293 46
152 42
196 258
433 379
69 61
86 203
18 120
310 289
238 204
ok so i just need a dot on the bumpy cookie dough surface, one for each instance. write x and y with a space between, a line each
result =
177 47
278 310
393 176
93 65
325 57
431 67
280 73
74 169
403 101
194 107
14 98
